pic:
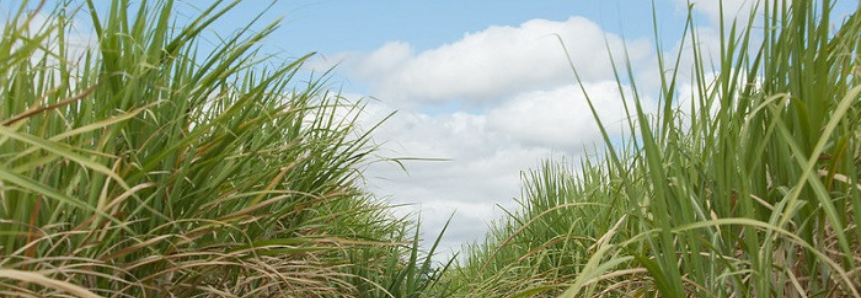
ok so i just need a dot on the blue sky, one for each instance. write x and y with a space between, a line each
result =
334 26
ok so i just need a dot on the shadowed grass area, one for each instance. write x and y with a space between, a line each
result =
750 189
150 168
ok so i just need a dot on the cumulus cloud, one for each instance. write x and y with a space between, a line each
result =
488 65
483 154
480 170
561 117
485 107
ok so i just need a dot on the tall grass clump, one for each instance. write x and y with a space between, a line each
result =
149 167
750 189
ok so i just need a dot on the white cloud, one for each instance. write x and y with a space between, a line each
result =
485 154
526 108
561 117
490 64
390 57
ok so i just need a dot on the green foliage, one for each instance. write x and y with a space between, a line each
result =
751 191
413 278
150 168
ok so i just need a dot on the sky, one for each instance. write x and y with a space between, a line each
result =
482 90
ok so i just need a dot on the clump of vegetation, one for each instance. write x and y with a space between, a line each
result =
752 191
147 167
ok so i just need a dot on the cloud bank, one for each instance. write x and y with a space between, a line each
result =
489 65
491 104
